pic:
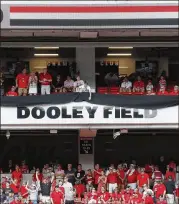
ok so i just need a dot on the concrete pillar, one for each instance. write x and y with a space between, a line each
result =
163 65
85 59
86 159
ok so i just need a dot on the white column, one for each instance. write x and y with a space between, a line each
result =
163 65
85 59
86 160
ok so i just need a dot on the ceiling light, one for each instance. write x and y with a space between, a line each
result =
46 48
46 55
119 54
115 48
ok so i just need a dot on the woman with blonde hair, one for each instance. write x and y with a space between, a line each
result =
33 80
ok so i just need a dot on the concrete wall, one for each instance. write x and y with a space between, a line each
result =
85 59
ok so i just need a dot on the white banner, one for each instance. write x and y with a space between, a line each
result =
86 115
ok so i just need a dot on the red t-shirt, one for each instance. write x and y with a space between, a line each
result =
14 188
57 197
136 200
148 170
112 178
121 174
22 80
148 200
174 93
40 176
24 192
92 196
139 84
11 93
97 174
43 77
172 174
177 192
172 165
116 196
105 196
3 185
132 178
159 190
17 175
142 179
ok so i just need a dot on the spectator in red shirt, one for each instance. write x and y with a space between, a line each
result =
56 196
138 86
170 173
12 92
112 180
121 176
104 196
162 91
142 179
159 190
96 174
22 81
116 196
175 90
45 79
161 200
17 174
131 177
15 186
148 199
40 175
92 197
157 174
24 192
24 168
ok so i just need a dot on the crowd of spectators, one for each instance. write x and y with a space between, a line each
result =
30 84
123 184
142 86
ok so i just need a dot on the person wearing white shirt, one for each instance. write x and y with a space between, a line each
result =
85 88
77 84
150 88
126 85
69 84
69 193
